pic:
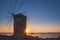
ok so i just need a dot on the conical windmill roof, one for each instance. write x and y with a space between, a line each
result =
19 15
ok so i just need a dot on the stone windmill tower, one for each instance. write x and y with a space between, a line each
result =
19 25
19 20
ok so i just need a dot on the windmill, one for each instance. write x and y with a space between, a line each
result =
19 20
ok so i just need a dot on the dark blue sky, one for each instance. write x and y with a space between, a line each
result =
37 11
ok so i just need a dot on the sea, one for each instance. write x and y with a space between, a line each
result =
46 35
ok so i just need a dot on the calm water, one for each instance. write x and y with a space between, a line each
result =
47 35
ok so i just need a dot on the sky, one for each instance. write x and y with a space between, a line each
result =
42 15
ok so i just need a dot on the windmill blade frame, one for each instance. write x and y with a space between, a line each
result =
12 7
19 6
13 10
9 22
16 2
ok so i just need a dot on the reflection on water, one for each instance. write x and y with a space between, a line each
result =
46 35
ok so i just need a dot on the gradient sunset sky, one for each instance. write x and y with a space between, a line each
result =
42 15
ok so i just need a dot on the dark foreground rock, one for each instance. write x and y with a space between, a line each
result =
25 38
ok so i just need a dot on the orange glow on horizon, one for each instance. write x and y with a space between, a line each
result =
28 30
33 29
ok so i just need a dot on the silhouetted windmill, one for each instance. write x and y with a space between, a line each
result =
19 20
